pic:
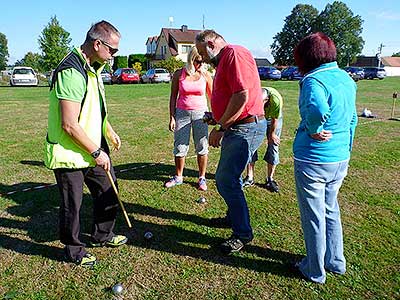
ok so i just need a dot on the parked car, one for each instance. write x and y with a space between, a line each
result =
291 73
49 76
125 75
156 75
106 76
269 73
23 76
374 72
355 73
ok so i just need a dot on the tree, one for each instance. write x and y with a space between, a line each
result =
297 25
134 58
171 64
54 43
138 67
3 51
33 60
120 62
339 23
396 54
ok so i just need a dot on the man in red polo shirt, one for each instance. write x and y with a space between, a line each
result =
237 108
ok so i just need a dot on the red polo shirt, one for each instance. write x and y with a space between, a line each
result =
236 71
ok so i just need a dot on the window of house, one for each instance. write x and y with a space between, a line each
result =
186 48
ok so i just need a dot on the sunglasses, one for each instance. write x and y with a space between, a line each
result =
111 49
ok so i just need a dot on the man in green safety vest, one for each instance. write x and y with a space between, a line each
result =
76 143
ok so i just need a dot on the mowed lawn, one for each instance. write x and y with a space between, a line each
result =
181 261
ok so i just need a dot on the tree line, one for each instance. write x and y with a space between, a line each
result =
336 20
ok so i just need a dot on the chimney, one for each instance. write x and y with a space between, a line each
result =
184 28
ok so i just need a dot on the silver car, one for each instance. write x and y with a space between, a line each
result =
106 76
23 76
156 75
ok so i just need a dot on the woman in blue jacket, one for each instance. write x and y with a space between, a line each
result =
322 149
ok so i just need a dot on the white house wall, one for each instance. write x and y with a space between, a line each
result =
392 71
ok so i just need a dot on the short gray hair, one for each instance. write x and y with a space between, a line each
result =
101 31
207 35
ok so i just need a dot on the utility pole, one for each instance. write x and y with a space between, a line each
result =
379 55
203 22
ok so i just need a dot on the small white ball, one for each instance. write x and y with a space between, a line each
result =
117 289
148 235
201 200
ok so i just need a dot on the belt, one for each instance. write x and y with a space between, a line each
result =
248 119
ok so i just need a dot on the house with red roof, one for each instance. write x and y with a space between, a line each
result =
171 42
391 64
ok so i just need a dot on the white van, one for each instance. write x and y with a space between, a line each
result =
23 76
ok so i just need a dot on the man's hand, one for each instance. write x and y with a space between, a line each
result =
116 141
103 161
172 124
323 136
215 138
113 137
274 139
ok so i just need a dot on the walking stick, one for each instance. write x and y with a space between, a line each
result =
119 200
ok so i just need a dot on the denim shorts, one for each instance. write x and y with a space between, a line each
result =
185 120
272 154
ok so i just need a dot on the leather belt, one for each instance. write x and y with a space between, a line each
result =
248 119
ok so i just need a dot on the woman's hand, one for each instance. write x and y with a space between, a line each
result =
172 124
274 139
323 136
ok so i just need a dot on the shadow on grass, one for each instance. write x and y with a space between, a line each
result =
152 171
34 218
40 209
180 241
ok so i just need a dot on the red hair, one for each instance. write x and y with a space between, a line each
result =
314 50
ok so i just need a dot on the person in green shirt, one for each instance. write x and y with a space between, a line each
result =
273 103
76 144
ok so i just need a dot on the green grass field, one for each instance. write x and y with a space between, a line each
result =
181 262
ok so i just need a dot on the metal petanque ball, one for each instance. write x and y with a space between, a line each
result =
148 235
117 289
201 200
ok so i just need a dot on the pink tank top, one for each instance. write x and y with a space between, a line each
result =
192 94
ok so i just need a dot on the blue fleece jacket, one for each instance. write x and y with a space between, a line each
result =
327 101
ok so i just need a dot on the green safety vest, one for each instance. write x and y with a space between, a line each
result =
61 150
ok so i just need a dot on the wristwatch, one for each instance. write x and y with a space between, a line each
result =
219 128
96 154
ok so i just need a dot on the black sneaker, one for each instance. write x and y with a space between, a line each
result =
220 222
248 182
272 186
233 244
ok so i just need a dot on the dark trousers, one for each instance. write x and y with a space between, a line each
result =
105 205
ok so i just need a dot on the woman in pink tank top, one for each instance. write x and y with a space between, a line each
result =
187 105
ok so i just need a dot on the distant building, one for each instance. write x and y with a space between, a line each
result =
151 45
389 63
392 65
262 62
171 42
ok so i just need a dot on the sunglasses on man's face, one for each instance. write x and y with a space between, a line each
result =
111 49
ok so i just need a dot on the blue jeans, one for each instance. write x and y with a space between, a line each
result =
238 146
317 187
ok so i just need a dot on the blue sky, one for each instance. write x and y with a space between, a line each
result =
251 23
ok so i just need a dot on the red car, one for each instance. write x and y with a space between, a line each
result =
125 75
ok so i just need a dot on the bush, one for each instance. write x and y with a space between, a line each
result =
120 62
